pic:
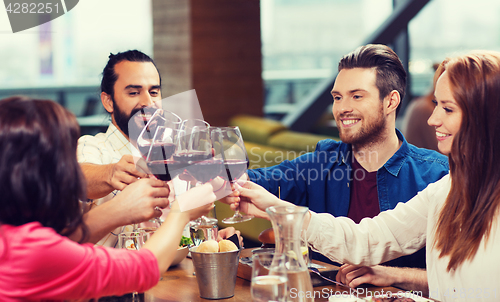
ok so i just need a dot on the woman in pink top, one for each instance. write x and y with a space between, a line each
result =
40 187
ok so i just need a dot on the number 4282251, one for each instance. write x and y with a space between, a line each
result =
32 8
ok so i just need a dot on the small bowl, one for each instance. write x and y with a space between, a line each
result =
180 255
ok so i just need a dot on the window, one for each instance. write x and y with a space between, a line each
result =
303 40
72 49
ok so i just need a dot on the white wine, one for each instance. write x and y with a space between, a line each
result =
269 288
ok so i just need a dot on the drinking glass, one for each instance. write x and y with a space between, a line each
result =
148 227
156 142
132 241
228 144
146 140
194 155
159 155
269 277
200 232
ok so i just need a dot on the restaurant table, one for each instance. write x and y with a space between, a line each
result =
179 284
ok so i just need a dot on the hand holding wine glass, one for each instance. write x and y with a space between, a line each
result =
228 143
156 143
194 153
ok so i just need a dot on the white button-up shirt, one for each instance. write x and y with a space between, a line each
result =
404 230
102 149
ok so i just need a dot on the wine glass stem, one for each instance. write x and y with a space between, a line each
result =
237 212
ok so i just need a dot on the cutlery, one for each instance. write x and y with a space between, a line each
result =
317 272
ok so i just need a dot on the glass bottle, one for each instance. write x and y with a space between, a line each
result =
287 225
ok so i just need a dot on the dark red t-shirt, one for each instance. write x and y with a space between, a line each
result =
364 194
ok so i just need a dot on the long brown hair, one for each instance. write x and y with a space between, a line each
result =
474 198
40 178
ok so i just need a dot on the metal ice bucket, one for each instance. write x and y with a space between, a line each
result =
216 273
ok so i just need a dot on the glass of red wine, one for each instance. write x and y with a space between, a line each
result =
154 136
157 144
229 145
194 156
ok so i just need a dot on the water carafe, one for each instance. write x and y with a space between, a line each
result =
287 225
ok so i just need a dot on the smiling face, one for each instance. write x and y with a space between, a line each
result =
357 107
137 86
447 116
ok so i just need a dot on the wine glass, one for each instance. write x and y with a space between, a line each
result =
156 142
153 135
229 144
194 153
159 155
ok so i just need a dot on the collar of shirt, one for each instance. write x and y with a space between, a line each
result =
396 162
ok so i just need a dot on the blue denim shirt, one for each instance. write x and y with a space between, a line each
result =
320 180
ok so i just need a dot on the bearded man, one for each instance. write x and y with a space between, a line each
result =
130 84
373 167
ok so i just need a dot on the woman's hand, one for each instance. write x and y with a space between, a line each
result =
196 202
253 199
140 201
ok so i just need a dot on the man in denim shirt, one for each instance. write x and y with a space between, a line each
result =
373 168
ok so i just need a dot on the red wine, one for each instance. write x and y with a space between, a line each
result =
159 151
205 170
234 169
165 169
192 156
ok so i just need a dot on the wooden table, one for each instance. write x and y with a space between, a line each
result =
179 284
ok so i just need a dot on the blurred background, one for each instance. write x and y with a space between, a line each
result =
270 58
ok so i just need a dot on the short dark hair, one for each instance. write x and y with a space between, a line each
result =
40 178
109 75
391 74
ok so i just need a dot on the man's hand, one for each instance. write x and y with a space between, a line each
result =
124 172
379 275
104 179
353 275
228 232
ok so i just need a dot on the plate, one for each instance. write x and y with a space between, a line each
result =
416 298
345 298
352 298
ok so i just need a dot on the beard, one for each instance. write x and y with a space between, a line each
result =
122 119
369 133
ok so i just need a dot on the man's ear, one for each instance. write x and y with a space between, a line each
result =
393 100
107 102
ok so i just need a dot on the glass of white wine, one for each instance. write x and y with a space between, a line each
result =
269 277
